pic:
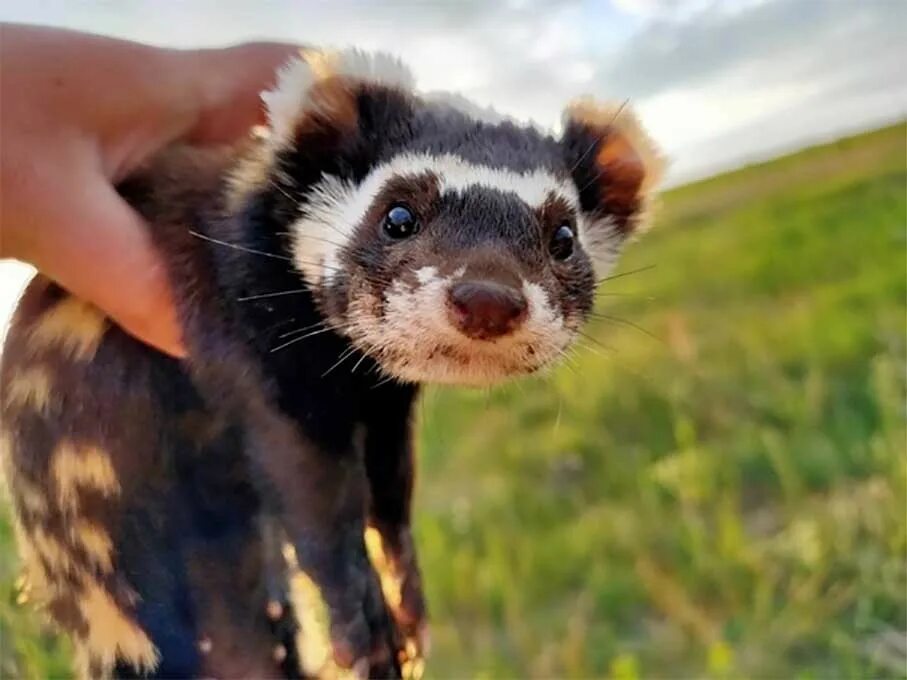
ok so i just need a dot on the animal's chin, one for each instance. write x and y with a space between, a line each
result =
472 363
473 374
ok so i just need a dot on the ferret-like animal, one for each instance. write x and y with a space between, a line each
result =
372 239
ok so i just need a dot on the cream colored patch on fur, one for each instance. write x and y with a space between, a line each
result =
82 467
32 568
29 387
250 172
111 633
313 641
414 340
96 543
74 326
55 553
391 580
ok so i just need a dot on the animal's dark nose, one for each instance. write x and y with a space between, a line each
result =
486 309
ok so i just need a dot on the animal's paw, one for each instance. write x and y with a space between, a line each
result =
394 557
362 637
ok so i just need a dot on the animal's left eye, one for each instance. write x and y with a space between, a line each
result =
561 245
400 222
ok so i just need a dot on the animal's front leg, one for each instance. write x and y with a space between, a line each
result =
321 497
391 473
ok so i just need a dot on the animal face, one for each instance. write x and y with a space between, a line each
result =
450 248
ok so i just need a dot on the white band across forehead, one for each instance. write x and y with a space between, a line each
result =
456 174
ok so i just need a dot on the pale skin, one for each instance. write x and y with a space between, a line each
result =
78 113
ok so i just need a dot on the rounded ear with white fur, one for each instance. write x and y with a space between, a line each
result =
324 87
615 166
331 113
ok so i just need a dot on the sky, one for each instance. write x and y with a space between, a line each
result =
718 83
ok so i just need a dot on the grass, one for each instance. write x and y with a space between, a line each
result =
724 500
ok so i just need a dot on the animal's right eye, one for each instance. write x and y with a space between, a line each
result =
400 223
561 246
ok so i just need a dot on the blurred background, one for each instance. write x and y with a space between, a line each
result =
715 483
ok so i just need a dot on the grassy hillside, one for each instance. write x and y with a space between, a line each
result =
724 499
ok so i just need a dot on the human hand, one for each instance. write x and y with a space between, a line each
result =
78 113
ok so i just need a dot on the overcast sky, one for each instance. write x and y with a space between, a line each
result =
717 82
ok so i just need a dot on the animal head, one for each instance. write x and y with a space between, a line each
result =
449 246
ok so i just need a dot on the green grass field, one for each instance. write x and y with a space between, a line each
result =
725 499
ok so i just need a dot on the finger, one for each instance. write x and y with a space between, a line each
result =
94 245
231 81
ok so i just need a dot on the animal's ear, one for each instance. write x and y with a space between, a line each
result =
614 164
330 113
328 90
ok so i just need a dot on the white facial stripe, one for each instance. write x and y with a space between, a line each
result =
602 240
328 223
458 174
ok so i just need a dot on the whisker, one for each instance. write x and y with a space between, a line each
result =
612 277
383 381
629 324
591 348
356 365
302 337
296 291
297 331
595 341
310 236
599 139
346 354
238 247
591 181
568 362
295 199
620 110
638 296
275 326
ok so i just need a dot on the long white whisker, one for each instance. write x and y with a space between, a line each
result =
301 337
343 357
295 291
238 247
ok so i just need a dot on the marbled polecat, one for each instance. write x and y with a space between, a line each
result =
371 240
